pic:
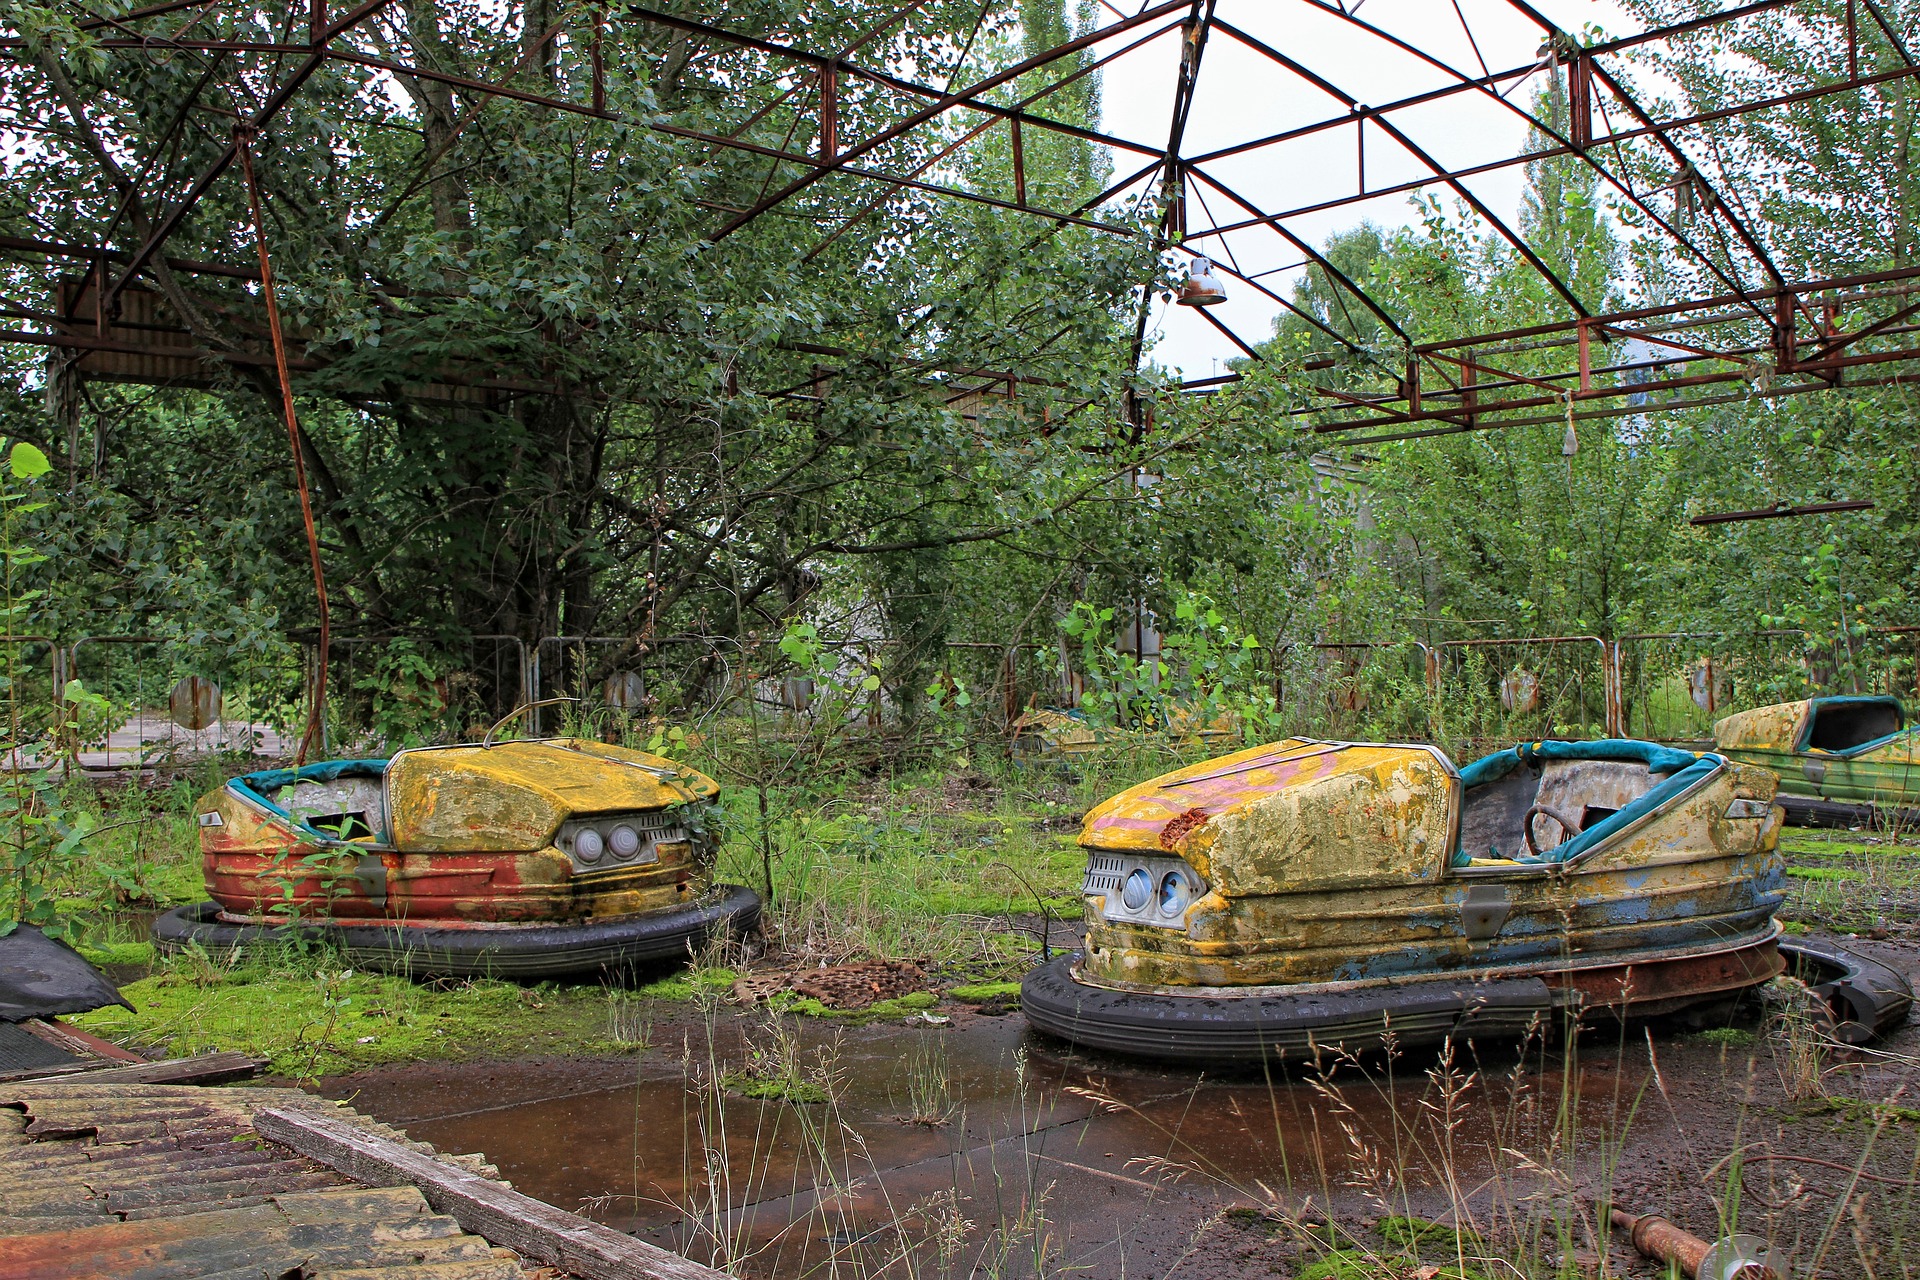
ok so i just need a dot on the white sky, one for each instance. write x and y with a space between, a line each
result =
1244 95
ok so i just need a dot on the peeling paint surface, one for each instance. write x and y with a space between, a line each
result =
1770 737
1330 863
470 839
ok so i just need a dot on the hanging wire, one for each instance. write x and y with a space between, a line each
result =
242 138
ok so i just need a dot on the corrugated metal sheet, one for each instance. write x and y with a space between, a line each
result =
150 1182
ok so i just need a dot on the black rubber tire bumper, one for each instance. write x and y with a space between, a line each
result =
1213 1028
517 951
1807 811
1856 999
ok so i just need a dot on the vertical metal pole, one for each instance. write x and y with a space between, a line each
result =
599 61
1360 153
312 737
1586 359
1785 338
829 112
1853 41
1469 397
1019 164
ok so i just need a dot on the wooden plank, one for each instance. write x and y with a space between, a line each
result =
208 1068
480 1205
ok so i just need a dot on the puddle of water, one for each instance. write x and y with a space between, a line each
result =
1104 1165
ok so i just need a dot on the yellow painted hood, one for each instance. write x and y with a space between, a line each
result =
1290 814
1778 727
515 795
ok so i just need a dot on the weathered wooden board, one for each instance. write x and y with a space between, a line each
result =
480 1205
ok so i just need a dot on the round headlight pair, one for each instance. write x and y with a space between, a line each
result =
590 847
1174 892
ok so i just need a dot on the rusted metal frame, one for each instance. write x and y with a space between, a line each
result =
941 107
847 51
879 175
58 249
318 709
1621 411
1314 255
1019 163
131 198
1612 139
1572 149
1633 314
1206 313
1673 149
281 95
1886 29
382 64
1419 153
854 218
829 112
1707 353
1612 393
1193 43
914 88
1836 344
527 53
1783 511
151 11
1292 307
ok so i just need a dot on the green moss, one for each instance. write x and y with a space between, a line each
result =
313 1024
685 986
119 953
1735 1036
782 1089
1346 1264
1793 926
1823 873
981 992
1412 1232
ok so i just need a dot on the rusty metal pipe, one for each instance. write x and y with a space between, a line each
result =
1659 1239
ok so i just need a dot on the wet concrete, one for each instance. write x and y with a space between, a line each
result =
1111 1167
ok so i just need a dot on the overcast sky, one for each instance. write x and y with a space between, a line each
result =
1244 95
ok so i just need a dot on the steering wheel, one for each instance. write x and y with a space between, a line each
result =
1567 824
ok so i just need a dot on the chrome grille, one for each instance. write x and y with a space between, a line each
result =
1103 874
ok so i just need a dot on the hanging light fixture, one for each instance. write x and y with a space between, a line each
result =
1202 288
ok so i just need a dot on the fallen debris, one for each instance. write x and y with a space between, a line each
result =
859 985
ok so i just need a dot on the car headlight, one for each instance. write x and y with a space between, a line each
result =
1131 888
625 841
588 846
1175 894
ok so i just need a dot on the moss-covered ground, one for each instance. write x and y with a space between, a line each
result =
1863 881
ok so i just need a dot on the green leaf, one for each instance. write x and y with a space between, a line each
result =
27 462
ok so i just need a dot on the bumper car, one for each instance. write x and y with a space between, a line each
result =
1840 760
1311 894
516 860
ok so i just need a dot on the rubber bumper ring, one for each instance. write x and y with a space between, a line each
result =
529 951
1211 1028
1860 999
1806 811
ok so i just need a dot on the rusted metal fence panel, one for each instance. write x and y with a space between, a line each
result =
172 701
1362 688
1674 685
1493 693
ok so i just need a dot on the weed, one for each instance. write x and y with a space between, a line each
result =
930 1098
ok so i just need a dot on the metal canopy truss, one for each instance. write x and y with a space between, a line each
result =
852 132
